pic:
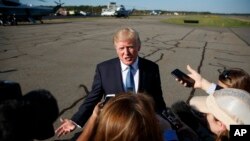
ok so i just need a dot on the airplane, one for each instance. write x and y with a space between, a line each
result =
12 11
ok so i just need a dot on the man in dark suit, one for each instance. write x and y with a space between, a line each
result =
127 73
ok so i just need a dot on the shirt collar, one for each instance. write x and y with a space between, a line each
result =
134 65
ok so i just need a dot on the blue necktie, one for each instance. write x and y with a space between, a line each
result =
130 84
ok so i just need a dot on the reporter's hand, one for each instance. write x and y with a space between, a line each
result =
181 82
89 127
97 109
66 127
200 82
196 76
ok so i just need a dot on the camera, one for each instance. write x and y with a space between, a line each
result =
171 118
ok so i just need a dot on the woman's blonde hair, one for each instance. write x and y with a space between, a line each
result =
128 117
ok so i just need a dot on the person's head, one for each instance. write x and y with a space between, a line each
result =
26 117
127 44
42 110
128 117
235 78
225 107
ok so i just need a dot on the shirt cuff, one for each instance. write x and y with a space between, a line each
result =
78 126
211 88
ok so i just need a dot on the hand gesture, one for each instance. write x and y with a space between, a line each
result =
66 127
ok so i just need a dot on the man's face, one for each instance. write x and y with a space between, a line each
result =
127 51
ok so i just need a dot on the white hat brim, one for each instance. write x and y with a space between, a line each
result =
199 103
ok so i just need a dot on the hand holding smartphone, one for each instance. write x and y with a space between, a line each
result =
183 77
107 98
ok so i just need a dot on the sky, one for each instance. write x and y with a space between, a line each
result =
213 6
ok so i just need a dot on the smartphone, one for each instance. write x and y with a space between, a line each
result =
182 76
107 98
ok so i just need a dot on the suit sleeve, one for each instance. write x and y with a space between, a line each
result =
159 100
87 107
150 83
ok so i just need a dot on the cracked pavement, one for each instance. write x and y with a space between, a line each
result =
62 57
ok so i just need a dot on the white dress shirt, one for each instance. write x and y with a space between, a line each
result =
135 72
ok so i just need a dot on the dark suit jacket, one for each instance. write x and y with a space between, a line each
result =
108 80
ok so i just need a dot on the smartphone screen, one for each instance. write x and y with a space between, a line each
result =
182 76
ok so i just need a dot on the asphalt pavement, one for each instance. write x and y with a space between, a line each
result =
61 57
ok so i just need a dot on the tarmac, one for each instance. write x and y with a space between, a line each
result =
61 57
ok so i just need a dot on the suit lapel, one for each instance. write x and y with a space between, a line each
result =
118 73
141 75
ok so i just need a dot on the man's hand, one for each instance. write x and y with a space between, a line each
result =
66 127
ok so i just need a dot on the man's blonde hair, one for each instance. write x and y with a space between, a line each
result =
127 33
